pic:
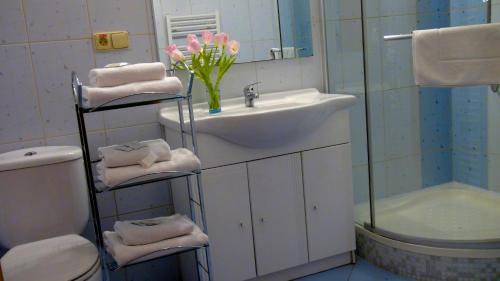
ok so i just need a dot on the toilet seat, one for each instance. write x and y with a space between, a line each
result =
64 258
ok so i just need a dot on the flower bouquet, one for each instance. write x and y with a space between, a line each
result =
216 55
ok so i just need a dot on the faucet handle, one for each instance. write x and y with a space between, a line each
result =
249 88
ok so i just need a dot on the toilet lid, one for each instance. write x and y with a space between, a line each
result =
56 259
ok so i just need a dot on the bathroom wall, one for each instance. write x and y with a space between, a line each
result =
393 98
469 109
493 106
42 41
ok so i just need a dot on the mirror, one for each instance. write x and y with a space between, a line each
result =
266 29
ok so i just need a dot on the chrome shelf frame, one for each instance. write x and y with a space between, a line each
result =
94 186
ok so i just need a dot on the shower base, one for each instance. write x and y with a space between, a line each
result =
451 215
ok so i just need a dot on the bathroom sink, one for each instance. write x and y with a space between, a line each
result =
275 119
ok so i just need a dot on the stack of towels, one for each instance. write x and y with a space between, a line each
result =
135 241
117 81
120 163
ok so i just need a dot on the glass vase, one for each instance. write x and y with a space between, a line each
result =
213 98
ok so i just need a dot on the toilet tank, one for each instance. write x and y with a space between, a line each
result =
43 193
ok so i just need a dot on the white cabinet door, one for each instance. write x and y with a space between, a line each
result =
278 215
329 201
227 207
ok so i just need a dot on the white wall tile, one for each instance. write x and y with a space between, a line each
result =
493 174
57 19
236 11
358 132
131 116
20 145
137 133
343 9
139 51
143 197
111 15
279 75
236 79
311 68
19 109
53 63
12 23
263 19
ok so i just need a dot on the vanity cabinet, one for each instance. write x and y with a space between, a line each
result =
229 222
328 200
281 212
277 198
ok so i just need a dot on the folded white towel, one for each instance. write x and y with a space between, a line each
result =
113 157
115 76
124 254
182 160
457 56
141 232
95 96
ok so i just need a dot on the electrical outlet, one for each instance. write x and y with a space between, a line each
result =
119 40
102 41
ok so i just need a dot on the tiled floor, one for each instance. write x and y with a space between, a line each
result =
361 271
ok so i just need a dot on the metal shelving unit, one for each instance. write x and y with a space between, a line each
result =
95 186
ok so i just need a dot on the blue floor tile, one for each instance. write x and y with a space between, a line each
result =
362 271
365 271
337 274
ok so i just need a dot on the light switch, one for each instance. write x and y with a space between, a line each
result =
119 40
102 41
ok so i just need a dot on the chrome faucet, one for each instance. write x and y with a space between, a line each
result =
250 94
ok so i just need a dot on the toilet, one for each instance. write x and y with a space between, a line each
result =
43 207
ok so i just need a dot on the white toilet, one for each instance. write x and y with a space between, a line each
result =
43 206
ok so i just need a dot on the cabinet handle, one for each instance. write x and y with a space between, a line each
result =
315 207
241 224
262 220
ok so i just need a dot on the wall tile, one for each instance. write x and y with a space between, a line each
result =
12 22
312 67
278 75
493 174
358 132
113 15
56 19
20 145
360 184
343 9
19 109
139 51
236 79
143 197
136 133
53 63
131 116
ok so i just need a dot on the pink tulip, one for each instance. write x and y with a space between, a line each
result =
177 56
194 47
170 49
191 37
234 47
221 38
207 37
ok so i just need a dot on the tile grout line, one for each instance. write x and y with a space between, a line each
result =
35 80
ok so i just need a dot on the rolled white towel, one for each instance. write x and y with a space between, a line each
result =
115 76
141 232
182 160
112 156
95 96
124 254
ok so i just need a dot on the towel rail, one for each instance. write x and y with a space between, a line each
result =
397 37
494 88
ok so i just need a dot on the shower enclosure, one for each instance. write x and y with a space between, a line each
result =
425 160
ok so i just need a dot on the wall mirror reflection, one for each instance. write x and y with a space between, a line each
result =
266 29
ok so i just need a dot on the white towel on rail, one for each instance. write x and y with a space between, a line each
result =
141 232
124 254
95 96
457 56
115 76
182 160
112 156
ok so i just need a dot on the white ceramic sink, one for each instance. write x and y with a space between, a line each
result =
276 118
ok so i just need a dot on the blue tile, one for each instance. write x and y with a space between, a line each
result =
365 271
337 274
